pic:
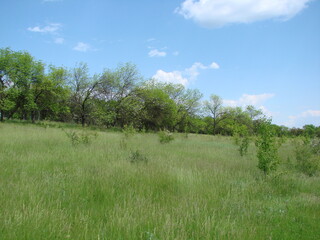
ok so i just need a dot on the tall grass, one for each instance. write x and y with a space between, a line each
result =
192 188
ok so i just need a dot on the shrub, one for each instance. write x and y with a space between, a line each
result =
308 156
242 139
137 157
165 136
123 144
77 138
267 148
244 145
128 130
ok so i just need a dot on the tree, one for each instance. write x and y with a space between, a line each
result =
5 82
53 94
215 109
267 147
83 87
24 73
186 101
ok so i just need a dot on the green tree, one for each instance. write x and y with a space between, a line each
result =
267 148
215 109
83 88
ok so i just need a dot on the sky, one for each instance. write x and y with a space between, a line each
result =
264 53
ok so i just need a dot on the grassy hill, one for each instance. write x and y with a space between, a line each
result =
136 188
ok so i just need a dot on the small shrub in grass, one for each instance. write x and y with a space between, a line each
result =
123 144
267 148
128 130
137 157
77 138
244 145
242 139
165 136
308 156
150 236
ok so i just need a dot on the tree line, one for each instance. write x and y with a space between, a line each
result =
30 90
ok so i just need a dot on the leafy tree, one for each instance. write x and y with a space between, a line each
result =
25 74
53 95
215 109
267 148
5 82
158 110
186 101
83 88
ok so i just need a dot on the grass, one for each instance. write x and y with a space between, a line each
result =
195 188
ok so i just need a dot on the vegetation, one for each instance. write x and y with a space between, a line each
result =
165 136
194 188
30 90
62 181
308 156
267 148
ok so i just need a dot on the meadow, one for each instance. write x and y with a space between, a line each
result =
195 187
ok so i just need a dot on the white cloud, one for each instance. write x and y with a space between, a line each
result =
214 65
82 47
50 28
59 40
311 113
247 99
254 100
193 71
171 77
217 13
183 77
156 53
299 120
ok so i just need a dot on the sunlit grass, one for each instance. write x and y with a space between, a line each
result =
192 188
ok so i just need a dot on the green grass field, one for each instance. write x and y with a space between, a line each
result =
192 188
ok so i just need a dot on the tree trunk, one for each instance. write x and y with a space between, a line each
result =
83 120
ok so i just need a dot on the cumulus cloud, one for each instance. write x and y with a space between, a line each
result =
171 77
157 53
311 113
300 119
50 28
82 47
183 77
254 100
247 99
217 13
194 70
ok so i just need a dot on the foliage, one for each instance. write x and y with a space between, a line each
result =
33 91
128 130
241 138
138 157
267 152
76 137
165 136
308 156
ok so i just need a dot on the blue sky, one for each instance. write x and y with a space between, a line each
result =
259 52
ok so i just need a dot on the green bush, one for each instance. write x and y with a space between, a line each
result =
242 139
128 130
268 146
308 156
77 138
137 157
165 136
